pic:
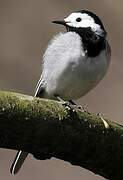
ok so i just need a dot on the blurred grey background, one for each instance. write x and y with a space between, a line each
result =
25 29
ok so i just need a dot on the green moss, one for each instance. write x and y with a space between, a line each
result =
47 128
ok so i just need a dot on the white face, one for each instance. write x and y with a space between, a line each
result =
83 20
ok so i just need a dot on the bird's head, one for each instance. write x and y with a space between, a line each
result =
83 20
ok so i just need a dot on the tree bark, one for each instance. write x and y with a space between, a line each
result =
46 129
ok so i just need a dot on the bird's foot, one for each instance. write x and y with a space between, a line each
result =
76 106
71 105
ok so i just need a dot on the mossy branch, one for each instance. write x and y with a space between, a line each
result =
48 129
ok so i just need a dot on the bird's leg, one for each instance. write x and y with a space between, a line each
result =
71 104
77 106
103 120
60 99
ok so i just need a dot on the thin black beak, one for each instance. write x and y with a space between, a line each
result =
60 22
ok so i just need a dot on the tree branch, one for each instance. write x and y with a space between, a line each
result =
48 129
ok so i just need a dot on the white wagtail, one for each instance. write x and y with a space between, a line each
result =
74 62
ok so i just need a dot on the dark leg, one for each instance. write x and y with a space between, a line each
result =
77 106
71 104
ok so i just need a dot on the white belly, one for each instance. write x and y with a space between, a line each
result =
77 78
67 70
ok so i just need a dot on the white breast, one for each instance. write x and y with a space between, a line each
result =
67 71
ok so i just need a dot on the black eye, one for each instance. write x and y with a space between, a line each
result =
78 19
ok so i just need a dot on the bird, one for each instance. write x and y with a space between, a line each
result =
74 62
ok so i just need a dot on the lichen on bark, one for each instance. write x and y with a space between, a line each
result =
46 129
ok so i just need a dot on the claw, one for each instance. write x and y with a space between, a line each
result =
71 105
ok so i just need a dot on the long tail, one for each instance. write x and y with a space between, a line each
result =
21 155
18 162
